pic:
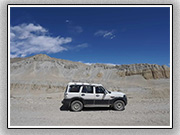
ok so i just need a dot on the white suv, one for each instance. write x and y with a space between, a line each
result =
79 95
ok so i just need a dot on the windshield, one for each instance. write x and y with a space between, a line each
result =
107 90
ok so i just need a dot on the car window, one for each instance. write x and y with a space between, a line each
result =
74 88
87 89
99 89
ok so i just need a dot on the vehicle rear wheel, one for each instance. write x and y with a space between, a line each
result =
119 105
76 106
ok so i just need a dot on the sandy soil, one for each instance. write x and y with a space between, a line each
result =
147 106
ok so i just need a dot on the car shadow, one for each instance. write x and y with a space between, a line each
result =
97 109
65 108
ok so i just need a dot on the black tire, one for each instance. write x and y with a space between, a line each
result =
119 105
76 106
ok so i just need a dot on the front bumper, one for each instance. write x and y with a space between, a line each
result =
125 99
65 102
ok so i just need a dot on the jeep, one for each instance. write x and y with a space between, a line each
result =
79 95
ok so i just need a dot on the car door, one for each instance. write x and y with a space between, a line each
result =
101 97
87 94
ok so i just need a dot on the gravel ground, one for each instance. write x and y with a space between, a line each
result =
147 106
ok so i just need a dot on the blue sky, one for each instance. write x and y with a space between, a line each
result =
92 35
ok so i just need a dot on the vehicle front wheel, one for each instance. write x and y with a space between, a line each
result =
119 105
76 106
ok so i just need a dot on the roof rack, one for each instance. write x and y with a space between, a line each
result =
84 83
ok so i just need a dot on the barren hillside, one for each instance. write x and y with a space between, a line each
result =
43 72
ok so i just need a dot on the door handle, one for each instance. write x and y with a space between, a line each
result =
97 95
82 94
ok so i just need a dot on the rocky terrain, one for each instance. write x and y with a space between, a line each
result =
43 72
38 84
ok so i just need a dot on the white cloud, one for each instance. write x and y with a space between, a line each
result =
84 45
67 21
75 29
28 39
77 47
105 34
88 63
78 29
109 64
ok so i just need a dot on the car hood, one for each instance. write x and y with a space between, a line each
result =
117 94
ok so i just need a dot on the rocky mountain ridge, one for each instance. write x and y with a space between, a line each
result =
43 63
41 72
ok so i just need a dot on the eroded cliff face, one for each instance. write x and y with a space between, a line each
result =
148 71
43 67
